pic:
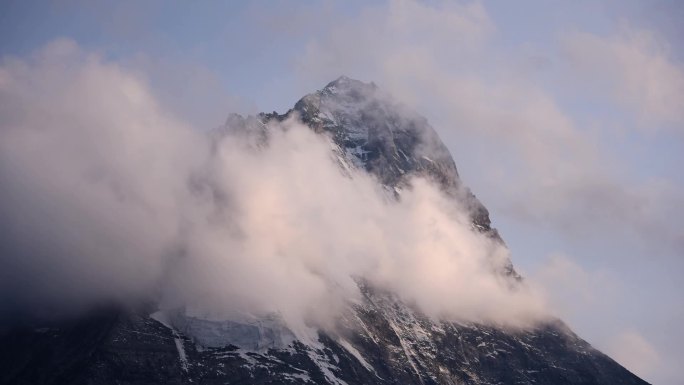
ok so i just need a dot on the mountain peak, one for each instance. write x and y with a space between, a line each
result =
345 84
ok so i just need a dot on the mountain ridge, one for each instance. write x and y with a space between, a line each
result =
380 340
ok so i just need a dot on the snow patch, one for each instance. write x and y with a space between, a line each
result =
245 331
326 367
181 351
163 318
348 347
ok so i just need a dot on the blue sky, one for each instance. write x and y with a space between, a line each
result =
565 118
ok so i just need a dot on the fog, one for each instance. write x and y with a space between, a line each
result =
105 195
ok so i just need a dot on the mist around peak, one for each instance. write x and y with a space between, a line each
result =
106 196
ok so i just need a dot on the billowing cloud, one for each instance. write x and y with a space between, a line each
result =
106 195
89 167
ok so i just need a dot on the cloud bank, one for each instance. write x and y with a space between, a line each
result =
105 195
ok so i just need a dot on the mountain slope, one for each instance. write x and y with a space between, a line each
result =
384 138
379 340
388 140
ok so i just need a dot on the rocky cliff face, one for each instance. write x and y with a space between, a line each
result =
379 340
388 140
383 137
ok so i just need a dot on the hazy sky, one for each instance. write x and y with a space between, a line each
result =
565 118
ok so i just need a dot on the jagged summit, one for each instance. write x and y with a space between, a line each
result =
380 135
384 137
346 84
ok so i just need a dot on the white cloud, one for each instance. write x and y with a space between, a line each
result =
105 195
89 167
